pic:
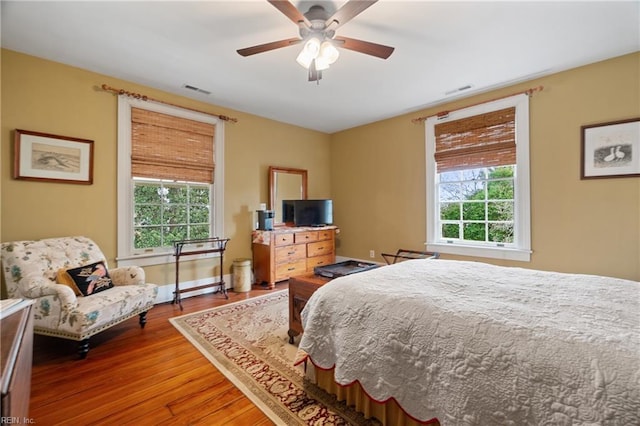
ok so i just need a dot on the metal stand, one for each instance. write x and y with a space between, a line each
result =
201 246
408 254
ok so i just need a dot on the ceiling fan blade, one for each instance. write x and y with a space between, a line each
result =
248 51
365 47
289 10
349 11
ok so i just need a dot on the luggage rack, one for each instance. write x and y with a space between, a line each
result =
404 254
343 268
201 246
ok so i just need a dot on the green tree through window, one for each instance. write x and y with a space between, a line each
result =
165 212
478 204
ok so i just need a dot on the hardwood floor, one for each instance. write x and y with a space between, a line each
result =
147 376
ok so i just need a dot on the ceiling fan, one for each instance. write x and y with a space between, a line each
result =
318 33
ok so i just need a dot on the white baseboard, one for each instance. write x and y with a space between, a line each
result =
165 292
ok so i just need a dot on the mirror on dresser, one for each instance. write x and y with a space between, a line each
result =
285 184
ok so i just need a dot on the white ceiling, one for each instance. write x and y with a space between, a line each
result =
439 47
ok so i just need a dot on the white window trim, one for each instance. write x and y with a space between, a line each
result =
126 256
522 226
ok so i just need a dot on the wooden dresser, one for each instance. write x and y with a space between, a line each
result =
291 251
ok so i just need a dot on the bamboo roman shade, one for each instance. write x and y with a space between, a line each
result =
483 140
168 147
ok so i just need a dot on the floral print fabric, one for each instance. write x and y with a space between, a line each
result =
30 269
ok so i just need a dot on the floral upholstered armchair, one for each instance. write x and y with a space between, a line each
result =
76 294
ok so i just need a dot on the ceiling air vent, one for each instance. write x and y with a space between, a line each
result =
458 90
196 89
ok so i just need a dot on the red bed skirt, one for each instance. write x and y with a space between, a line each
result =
388 412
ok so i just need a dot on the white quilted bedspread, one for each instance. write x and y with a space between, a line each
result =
472 343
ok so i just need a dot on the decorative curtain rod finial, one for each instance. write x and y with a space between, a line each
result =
227 118
533 90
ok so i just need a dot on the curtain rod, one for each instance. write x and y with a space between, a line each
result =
527 92
146 98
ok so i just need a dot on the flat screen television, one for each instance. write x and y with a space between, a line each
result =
307 212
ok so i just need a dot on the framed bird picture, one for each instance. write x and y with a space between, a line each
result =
611 149
52 158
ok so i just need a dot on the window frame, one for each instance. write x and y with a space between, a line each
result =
127 255
520 250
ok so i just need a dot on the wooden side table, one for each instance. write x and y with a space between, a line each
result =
300 290
16 355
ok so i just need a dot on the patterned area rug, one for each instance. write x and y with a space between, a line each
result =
248 342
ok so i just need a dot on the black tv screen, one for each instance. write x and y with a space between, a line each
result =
288 209
308 212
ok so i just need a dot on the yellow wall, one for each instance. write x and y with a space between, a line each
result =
374 173
583 226
49 97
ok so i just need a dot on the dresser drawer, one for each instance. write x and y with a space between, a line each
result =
290 253
312 262
320 248
283 239
306 237
287 270
325 235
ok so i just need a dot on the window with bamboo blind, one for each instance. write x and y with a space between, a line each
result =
483 140
478 180
169 179
169 147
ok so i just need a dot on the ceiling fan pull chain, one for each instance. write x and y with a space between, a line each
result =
314 74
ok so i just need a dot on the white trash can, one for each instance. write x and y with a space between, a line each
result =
241 275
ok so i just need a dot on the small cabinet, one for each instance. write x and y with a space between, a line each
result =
300 290
291 251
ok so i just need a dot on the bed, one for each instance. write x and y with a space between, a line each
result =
469 343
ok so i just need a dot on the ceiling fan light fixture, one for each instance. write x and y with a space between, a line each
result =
323 54
329 52
321 63
309 52
304 59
